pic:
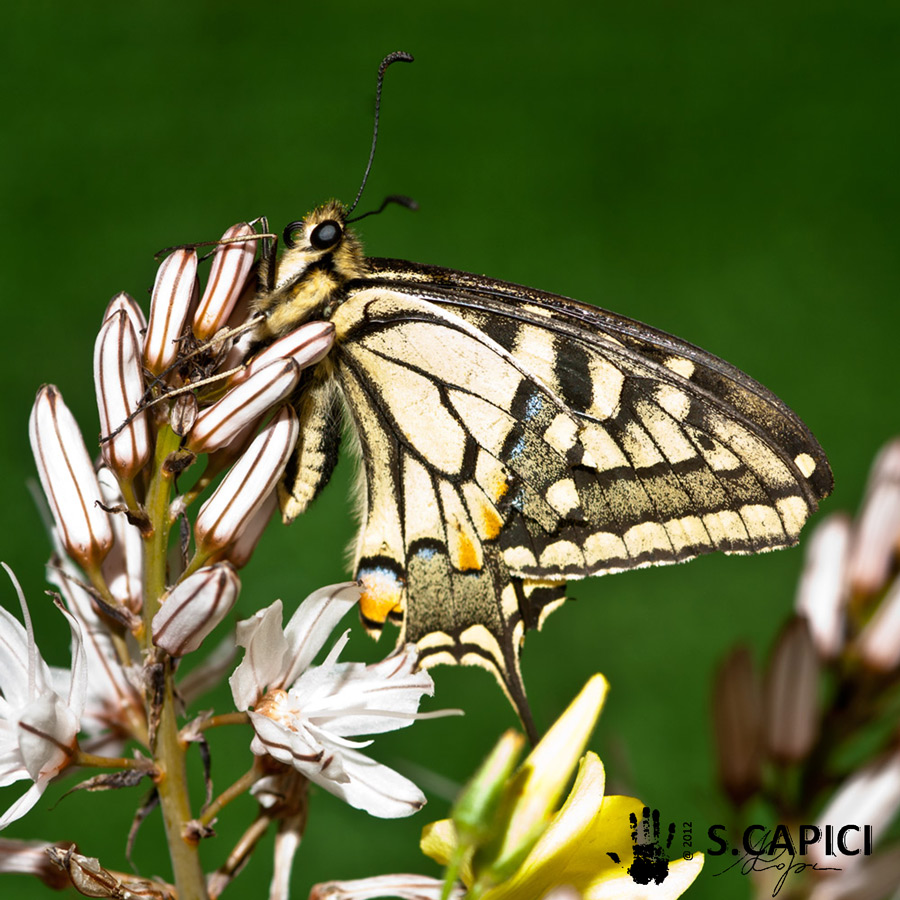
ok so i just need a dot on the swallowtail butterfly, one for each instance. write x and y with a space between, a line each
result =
512 440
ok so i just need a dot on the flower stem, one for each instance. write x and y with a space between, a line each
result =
233 718
241 786
168 749
81 758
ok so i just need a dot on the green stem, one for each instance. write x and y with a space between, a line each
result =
108 762
234 718
168 749
241 786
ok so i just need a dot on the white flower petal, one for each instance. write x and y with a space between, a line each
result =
123 566
312 623
13 660
404 887
46 727
23 805
38 728
110 696
262 664
374 787
352 698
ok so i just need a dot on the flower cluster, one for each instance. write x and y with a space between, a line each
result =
144 580
816 733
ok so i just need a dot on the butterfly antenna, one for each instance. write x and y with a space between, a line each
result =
399 199
389 60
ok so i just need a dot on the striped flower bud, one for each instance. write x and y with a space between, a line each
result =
123 566
878 531
130 306
822 591
879 642
174 294
119 383
737 718
68 479
243 405
248 483
230 267
193 608
791 694
239 553
306 345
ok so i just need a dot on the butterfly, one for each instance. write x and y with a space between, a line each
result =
512 440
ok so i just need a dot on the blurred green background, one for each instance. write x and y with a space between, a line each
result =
727 172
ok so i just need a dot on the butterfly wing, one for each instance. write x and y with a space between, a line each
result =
513 440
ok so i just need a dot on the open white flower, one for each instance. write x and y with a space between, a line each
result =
38 725
304 716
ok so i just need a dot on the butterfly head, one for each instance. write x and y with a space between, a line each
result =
320 240
320 255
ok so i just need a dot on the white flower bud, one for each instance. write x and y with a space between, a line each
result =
174 294
243 405
193 608
306 345
870 797
68 479
239 553
123 567
248 483
31 858
822 591
738 723
227 276
119 383
879 642
791 694
131 308
878 531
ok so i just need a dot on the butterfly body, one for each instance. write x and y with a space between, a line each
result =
512 440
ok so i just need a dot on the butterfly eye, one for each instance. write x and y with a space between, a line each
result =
325 235
289 232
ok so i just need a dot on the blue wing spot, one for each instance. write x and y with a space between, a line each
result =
534 405
426 553
518 448
380 572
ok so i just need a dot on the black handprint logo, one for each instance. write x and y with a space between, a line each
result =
651 862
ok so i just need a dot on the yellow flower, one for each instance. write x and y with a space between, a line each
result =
533 847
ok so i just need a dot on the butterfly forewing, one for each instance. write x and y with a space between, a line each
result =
513 440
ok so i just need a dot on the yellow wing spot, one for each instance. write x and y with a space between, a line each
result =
793 512
382 594
498 488
680 366
675 402
491 523
805 463
467 557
